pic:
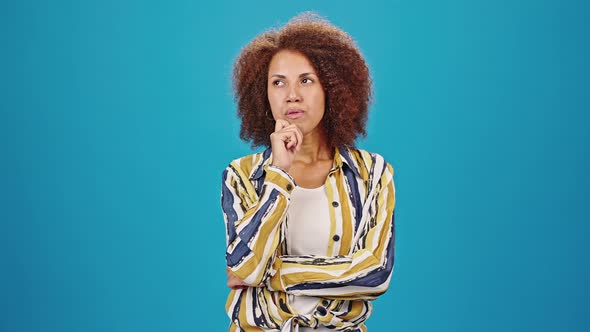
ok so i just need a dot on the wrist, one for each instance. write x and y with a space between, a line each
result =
282 167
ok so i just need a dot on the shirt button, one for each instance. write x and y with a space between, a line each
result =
336 237
289 187
335 204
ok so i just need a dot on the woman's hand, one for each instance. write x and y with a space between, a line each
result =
234 282
285 142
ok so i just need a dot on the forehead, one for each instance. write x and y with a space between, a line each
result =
288 62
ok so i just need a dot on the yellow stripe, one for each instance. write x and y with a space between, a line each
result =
356 310
279 179
331 198
383 218
247 163
347 220
359 159
251 191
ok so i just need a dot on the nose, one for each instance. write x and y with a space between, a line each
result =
293 94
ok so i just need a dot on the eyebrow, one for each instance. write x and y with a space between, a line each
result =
300 75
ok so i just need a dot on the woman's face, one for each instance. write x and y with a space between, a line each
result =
294 91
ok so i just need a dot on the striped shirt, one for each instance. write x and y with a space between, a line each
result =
359 263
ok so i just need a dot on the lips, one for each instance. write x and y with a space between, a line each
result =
294 114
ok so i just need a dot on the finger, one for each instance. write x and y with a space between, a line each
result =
280 124
278 137
295 129
287 136
232 283
292 143
291 140
297 137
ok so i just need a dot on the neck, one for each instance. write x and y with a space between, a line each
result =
314 148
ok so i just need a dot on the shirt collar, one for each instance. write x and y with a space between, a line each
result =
342 157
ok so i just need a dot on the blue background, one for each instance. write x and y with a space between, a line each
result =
110 214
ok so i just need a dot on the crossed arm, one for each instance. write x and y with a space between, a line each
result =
253 234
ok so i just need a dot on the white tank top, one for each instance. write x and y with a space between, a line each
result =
308 233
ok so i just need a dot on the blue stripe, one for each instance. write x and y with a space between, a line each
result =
265 155
242 250
259 175
227 202
236 313
344 153
260 185
252 228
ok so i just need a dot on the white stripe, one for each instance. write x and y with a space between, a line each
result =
366 254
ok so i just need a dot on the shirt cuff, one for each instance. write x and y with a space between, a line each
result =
280 178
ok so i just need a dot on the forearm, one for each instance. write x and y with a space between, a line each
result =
364 274
360 276
254 232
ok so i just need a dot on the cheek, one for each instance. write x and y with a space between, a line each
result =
319 101
273 99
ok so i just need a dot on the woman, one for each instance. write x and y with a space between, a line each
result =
310 227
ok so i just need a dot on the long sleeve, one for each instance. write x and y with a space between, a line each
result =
364 274
253 222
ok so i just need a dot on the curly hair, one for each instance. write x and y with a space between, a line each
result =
340 66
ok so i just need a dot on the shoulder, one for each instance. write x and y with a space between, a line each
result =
247 166
373 162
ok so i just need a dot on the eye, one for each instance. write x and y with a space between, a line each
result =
306 80
278 83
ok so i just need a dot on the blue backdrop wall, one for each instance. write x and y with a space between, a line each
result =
110 217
